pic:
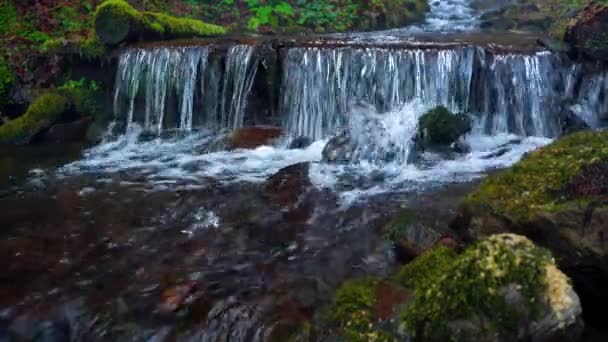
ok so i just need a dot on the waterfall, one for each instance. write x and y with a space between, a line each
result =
183 87
521 94
320 85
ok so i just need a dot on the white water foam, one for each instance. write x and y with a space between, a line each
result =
185 160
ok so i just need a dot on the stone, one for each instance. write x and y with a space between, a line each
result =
558 197
504 288
440 127
253 137
287 185
67 132
588 32
300 143
338 149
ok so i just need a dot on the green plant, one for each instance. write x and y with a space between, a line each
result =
268 14
82 83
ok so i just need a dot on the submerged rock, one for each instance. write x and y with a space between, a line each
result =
557 196
300 143
587 32
253 137
440 127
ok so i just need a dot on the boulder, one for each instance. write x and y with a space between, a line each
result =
54 107
287 185
587 33
253 137
503 288
558 197
46 110
116 22
338 149
440 127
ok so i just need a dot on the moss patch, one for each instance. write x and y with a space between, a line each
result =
353 308
537 182
421 272
439 126
116 21
47 109
472 289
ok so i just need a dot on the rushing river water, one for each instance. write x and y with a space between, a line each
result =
162 202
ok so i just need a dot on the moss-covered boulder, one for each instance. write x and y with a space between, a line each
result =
557 196
394 13
116 21
60 105
47 109
503 288
588 32
440 127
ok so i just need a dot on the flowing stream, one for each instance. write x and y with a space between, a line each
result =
165 200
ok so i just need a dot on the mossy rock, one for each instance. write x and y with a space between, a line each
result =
59 105
116 21
441 127
588 32
398 13
47 109
503 288
537 184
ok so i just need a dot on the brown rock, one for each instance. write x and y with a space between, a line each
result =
588 32
67 132
287 185
388 297
253 137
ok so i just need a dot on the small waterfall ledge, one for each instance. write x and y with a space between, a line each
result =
187 87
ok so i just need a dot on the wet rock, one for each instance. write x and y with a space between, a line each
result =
570 122
68 132
554 45
300 143
253 137
587 32
541 197
388 298
339 149
440 127
174 297
286 187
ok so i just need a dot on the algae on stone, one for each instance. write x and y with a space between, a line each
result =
538 182
441 127
116 21
47 109
498 287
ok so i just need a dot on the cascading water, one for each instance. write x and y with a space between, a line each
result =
513 93
185 82
376 94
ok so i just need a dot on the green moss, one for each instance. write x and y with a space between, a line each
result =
442 127
421 272
116 20
83 101
536 183
352 310
47 109
7 81
400 224
473 289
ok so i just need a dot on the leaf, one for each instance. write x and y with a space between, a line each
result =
253 23
284 8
